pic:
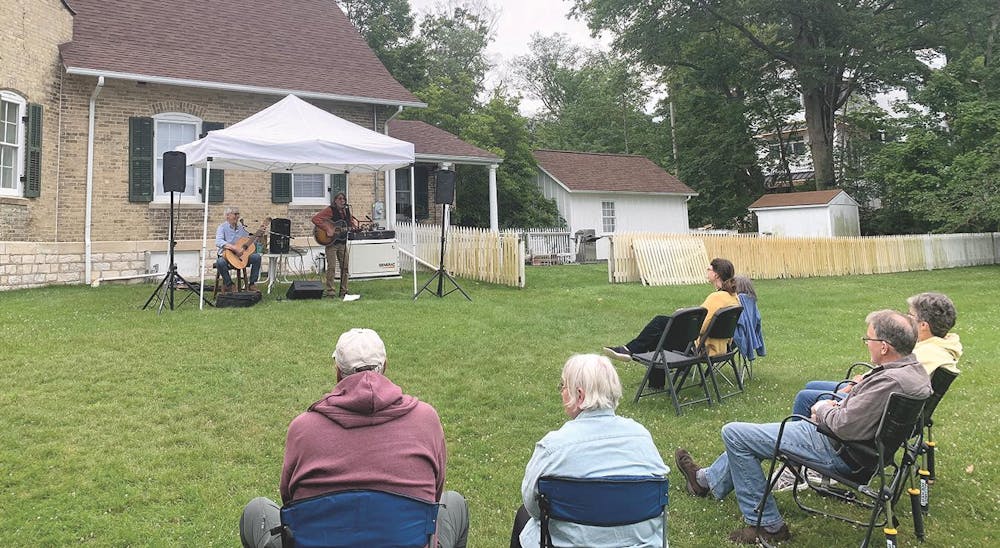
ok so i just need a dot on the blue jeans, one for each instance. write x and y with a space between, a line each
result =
222 265
747 444
808 397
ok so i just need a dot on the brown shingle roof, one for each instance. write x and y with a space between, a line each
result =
433 141
304 46
813 197
587 171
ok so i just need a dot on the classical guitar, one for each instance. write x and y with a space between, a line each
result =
340 230
247 246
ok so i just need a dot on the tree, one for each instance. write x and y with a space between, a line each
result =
832 48
387 26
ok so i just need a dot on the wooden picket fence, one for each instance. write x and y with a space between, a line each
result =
473 253
672 259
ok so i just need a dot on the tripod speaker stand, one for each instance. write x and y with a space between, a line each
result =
441 273
174 180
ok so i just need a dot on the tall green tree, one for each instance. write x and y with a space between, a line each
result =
387 26
832 48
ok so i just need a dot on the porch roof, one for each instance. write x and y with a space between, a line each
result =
431 143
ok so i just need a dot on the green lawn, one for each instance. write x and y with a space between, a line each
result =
125 427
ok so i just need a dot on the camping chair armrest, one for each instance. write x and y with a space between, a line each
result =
781 432
862 365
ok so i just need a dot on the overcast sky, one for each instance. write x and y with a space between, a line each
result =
516 21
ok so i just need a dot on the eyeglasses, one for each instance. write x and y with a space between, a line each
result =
869 339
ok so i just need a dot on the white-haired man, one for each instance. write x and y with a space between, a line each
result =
890 338
226 238
594 443
364 434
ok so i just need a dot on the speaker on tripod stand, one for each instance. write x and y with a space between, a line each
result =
444 195
174 180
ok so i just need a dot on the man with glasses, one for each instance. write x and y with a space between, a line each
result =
934 314
890 339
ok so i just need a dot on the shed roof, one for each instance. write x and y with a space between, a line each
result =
790 199
601 172
432 141
307 47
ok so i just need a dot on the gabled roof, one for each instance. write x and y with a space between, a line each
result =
791 199
307 47
433 142
599 172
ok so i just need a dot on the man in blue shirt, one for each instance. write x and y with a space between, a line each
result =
226 237
594 443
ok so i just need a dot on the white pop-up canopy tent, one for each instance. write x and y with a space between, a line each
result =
293 136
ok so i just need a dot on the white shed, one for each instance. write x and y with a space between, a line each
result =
612 192
818 213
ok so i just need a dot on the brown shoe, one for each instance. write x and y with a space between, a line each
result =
750 535
229 289
689 469
253 287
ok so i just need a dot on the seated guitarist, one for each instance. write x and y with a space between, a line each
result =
226 237
336 220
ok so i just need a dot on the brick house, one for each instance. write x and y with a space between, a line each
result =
608 193
94 91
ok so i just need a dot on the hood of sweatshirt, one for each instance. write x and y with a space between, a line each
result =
939 350
364 399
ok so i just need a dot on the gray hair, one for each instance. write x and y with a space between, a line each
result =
936 309
898 330
596 377
232 209
744 285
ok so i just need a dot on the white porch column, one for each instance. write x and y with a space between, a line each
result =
494 216
390 199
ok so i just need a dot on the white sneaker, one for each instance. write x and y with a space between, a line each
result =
786 481
348 298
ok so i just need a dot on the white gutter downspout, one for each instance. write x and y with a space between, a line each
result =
390 183
90 180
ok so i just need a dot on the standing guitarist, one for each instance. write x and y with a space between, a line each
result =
227 236
332 225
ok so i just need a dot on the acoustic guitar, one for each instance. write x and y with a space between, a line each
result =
247 245
340 230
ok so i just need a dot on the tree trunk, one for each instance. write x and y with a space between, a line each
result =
819 128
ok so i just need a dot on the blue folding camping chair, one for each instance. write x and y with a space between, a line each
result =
608 501
355 519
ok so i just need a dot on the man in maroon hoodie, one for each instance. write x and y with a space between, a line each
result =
364 434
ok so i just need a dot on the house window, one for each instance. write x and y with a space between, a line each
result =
316 188
11 143
608 217
403 193
172 130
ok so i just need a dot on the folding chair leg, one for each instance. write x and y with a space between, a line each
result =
918 515
925 491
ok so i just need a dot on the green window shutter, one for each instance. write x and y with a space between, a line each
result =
281 188
33 152
140 159
338 183
420 173
216 190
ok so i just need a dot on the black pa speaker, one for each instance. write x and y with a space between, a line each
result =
304 289
445 187
281 231
174 171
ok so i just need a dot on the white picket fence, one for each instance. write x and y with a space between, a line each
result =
670 259
473 253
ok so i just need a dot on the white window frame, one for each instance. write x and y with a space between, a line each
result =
608 216
315 200
190 194
19 146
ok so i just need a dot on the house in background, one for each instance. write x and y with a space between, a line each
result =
93 92
818 213
610 193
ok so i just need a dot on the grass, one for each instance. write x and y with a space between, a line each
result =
125 427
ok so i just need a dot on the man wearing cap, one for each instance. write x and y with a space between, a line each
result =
364 434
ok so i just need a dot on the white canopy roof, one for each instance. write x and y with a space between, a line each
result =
293 136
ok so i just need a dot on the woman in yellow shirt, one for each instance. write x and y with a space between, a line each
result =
720 274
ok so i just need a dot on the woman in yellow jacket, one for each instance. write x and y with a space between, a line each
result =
720 274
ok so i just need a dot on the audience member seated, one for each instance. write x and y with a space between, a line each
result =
890 339
936 347
364 434
593 443
720 274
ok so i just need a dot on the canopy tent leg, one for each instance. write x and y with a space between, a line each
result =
204 231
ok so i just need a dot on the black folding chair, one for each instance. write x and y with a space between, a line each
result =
723 326
868 485
675 355
601 502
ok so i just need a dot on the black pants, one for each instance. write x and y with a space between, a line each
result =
520 520
646 341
